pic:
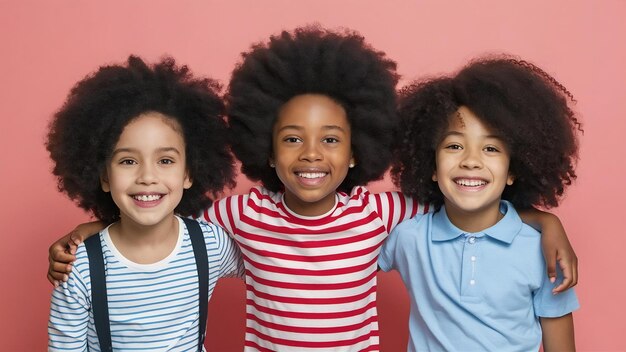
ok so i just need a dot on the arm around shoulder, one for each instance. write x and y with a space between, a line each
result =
62 252
557 249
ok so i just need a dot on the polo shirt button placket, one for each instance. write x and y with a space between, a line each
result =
468 288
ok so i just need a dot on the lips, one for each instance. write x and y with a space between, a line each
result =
311 175
470 182
147 197
147 200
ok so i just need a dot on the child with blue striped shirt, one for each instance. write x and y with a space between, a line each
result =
136 144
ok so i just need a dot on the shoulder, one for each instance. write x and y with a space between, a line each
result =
362 193
526 232
529 232
211 229
213 233
260 193
80 275
415 224
81 264
256 194
82 257
395 199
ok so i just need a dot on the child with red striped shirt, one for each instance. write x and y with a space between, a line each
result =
312 117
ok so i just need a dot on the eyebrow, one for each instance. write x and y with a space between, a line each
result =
133 150
300 128
455 133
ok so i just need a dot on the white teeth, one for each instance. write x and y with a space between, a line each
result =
311 174
147 198
471 183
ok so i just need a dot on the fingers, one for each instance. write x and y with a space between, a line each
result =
569 267
551 262
56 278
59 271
71 248
54 282
75 238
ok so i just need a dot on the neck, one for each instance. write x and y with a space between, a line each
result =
474 220
145 244
305 208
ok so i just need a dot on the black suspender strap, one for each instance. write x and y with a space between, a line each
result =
99 303
202 264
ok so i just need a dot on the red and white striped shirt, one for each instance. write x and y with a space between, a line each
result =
311 281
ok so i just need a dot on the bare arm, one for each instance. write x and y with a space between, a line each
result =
61 253
556 247
558 334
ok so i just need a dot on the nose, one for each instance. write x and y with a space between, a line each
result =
471 159
147 174
311 151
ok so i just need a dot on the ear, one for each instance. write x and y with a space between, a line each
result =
352 163
188 182
510 179
104 182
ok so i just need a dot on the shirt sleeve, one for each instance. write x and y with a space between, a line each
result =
548 305
388 257
69 309
225 213
395 207
229 254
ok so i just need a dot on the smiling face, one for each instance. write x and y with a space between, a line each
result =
472 171
311 152
146 173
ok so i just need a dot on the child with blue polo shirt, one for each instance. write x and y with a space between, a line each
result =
497 136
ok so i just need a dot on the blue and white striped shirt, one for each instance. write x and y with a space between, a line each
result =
152 307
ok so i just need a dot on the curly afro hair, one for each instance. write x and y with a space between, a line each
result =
524 104
84 131
313 60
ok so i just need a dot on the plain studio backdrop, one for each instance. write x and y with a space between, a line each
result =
48 46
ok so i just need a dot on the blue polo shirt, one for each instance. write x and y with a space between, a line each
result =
480 291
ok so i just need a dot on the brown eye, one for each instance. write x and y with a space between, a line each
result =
453 147
491 149
292 140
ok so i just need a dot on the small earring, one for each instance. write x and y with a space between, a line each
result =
351 165
272 165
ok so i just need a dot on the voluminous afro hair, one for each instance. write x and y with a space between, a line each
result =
525 105
312 60
85 130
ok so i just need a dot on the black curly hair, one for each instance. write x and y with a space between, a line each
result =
313 60
84 131
527 106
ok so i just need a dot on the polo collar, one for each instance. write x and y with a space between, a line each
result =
504 230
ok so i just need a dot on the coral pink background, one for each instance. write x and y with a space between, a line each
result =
47 46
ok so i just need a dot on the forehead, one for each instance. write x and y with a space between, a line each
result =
465 121
312 110
152 127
